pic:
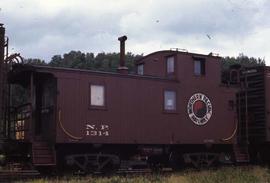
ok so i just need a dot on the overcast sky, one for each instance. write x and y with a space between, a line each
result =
43 28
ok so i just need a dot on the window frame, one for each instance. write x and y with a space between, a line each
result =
172 111
202 62
104 107
141 64
174 65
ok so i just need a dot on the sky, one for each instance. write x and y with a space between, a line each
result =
43 28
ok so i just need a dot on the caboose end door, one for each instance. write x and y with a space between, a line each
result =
44 105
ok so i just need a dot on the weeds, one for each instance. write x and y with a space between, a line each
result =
249 174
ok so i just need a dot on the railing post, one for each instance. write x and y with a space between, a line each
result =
2 50
33 107
246 109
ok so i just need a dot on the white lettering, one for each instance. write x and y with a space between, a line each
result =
104 127
90 127
93 133
97 130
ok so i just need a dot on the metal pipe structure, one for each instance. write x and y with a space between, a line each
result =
2 54
122 65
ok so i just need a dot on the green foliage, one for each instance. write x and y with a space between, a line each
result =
34 61
241 60
102 61
56 61
249 174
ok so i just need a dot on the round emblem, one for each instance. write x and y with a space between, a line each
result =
199 109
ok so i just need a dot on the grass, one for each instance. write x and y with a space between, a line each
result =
231 175
250 174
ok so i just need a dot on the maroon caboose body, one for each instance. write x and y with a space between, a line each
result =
113 108
174 109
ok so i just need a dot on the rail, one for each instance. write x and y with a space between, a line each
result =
11 175
233 133
64 130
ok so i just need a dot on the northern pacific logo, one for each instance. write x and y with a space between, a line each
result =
199 109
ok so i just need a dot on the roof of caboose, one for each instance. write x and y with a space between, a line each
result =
178 52
19 70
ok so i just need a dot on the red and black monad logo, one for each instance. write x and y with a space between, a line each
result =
199 109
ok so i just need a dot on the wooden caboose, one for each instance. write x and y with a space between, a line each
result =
173 110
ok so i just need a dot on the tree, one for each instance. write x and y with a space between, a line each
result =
34 61
56 61
102 61
242 60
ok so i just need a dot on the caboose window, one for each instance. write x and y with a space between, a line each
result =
170 65
199 67
140 69
97 95
169 100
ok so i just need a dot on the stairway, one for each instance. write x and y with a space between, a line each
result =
43 154
241 153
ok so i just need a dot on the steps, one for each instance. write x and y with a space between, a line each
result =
241 153
43 154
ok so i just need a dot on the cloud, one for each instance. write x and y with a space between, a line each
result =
44 28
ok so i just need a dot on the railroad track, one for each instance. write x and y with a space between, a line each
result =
146 170
136 171
130 171
8 175
11 175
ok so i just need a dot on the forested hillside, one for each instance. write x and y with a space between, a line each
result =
109 61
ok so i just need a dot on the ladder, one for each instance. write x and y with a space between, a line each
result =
241 153
241 147
43 154
251 111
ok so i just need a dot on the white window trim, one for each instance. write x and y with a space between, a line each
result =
140 71
201 67
173 102
97 95
168 69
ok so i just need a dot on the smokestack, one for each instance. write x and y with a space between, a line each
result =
122 66
2 52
